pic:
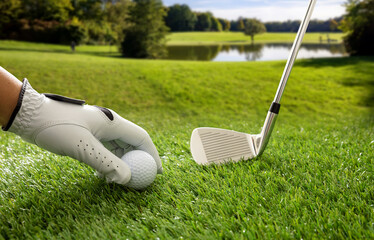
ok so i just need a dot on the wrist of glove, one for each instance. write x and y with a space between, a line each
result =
94 135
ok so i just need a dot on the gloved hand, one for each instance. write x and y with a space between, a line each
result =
94 135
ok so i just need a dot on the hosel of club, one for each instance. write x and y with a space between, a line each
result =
263 138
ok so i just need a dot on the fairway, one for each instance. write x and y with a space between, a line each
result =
197 38
314 180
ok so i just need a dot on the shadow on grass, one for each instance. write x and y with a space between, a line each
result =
71 203
362 66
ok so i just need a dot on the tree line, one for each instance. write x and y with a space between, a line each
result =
139 26
180 18
61 21
331 25
103 21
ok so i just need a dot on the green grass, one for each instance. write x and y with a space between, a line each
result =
9 45
193 38
315 179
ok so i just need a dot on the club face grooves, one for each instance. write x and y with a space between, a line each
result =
212 145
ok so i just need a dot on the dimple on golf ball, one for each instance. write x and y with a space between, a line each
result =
143 169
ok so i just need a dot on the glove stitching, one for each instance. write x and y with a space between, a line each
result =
30 108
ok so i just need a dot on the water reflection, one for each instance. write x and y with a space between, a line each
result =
196 53
253 52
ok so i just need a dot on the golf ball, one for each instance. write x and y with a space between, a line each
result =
143 169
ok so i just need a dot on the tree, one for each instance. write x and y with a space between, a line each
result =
117 14
225 24
233 25
9 10
145 38
333 25
88 9
359 27
46 10
330 25
204 21
216 25
180 18
63 21
240 25
254 27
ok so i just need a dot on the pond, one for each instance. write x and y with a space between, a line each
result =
252 52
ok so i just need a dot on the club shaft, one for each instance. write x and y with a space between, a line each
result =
295 49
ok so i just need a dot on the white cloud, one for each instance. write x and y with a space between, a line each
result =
280 11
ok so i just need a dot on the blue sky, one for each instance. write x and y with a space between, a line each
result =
265 10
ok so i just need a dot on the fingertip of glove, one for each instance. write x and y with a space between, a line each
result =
126 180
121 179
160 170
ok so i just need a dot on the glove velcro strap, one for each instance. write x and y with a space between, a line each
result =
18 106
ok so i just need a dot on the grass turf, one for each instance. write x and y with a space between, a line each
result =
315 179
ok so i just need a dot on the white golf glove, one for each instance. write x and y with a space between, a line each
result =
94 135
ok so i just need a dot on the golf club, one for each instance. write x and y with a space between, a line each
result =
213 145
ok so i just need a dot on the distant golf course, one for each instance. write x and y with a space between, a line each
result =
314 180
189 38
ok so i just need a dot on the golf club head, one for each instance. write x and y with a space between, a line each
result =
217 146
213 145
